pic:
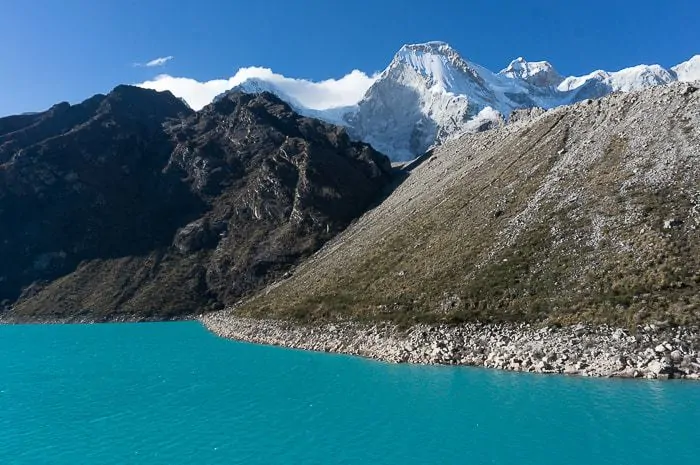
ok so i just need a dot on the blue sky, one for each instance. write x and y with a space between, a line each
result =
58 50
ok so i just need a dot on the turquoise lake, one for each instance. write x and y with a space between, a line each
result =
172 393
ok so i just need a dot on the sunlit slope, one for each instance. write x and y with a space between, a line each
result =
586 213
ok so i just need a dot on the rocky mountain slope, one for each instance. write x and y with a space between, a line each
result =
430 94
81 182
586 213
130 205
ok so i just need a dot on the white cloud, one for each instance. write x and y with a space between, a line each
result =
320 95
160 61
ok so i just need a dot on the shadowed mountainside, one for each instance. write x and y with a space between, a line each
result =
132 206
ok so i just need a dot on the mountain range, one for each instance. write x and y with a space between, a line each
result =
132 206
430 94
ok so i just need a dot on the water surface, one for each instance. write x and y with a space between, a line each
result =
172 393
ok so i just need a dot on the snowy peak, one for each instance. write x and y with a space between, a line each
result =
421 56
574 82
436 64
537 73
626 80
427 95
688 71
640 77
258 86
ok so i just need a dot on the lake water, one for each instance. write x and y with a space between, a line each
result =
172 393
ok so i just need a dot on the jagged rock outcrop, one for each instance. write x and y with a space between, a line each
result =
131 206
282 184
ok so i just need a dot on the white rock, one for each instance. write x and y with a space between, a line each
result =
657 367
677 356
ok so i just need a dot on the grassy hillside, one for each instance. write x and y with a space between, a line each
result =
586 213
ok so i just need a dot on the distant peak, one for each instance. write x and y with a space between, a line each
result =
435 46
255 85
414 53
688 71
537 73
437 63
694 59
522 63
431 43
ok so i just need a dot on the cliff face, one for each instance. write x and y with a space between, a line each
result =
588 213
278 185
85 182
129 205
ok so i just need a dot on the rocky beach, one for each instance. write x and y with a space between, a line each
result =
653 351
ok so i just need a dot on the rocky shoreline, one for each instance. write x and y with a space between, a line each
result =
654 351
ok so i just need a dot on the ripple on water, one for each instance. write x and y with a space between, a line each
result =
173 393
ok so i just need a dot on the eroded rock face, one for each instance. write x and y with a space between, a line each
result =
525 114
84 182
283 184
198 235
148 210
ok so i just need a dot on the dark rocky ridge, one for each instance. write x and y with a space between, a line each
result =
85 182
131 206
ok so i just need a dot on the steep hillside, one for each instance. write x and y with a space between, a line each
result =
585 213
115 215
84 181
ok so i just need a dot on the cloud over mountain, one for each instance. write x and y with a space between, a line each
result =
320 95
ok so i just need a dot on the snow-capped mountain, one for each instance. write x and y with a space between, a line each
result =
335 115
600 83
258 85
688 71
537 73
429 94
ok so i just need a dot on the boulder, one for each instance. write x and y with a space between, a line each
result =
676 356
658 367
